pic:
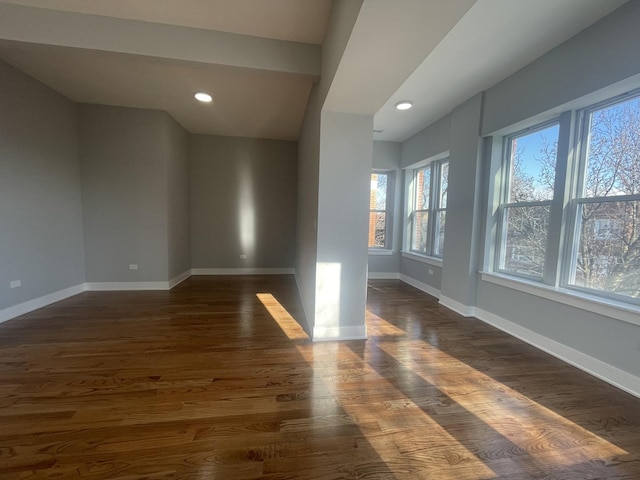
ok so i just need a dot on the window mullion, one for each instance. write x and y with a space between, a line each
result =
560 202
435 172
574 186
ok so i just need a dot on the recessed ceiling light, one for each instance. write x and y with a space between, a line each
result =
404 105
203 97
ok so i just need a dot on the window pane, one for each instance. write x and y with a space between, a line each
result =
533 165
526 230
444 184
378 198
613 155
423 188
440 223
377 229
607 250
420 233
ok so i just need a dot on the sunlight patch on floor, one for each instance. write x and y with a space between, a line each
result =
386 417
379 327
528 425
285 321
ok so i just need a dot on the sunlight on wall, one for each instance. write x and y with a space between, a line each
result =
285 321
246 210
327 321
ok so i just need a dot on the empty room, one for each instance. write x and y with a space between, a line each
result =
320 239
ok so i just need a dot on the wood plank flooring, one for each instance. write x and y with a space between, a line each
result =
216 380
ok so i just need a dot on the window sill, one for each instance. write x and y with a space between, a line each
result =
435 261
380 251
609 308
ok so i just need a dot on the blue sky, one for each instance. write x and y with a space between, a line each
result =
530 146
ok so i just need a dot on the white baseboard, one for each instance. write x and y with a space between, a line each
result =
608 373
434 292
328 334
179 279
134 286
383 276
31 305
125 286
36 303
464 310
242 271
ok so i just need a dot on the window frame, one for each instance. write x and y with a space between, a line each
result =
434 210
499 245
577 180
563 234
388 211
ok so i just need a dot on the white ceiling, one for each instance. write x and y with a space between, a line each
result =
493 40
293 20
247 103
156 53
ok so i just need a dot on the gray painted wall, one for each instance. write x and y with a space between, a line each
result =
124 163
611 341
432 140
420 271
307 207
459 265
606 56
178 208
343 16
40 202
343 219
386 156
602 60
603 54
243 202
428 142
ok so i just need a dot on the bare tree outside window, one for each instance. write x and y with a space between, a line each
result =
422 185
606 251
526 212
428 208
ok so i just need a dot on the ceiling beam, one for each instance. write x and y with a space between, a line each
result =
94 32
387 44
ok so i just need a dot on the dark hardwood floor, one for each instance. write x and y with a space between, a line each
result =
215 380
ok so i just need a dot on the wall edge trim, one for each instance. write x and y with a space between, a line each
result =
40 302
599 369
464 310
329 334
178 279
434 292
383 276
242 271
125 286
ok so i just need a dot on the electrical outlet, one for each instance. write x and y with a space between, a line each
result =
430 272
243 256
133 266
15 283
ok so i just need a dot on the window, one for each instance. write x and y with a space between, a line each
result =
605 248
427 208
530 167
576 226
379 217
